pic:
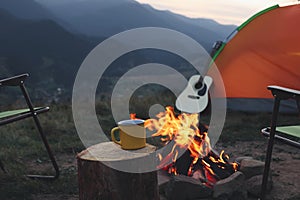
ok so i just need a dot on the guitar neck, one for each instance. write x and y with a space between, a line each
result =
200 79
199 84
217 45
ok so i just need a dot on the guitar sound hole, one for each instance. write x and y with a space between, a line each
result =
202 91
199 85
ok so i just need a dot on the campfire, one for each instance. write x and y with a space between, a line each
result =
191 153
189 168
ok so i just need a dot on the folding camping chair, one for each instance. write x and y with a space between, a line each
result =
15 115
288 134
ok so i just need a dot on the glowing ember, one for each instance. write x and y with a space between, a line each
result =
183 130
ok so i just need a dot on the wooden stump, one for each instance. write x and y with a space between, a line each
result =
100 173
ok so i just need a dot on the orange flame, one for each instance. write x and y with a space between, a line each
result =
183 130
133 116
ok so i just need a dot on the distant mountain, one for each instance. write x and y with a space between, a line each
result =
108 17
82 5
26 9
209 24
41 37
44 49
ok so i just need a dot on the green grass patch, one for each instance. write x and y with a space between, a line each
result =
22 151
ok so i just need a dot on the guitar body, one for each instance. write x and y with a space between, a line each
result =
194 98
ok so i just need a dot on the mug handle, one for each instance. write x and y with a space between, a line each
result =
112 133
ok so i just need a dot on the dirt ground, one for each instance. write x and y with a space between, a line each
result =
285 168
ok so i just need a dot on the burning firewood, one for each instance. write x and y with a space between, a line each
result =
191 154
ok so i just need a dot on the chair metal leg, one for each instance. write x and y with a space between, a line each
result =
270 148
50 154
43 137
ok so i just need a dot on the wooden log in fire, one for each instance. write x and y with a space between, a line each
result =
219 172
183 163
100 178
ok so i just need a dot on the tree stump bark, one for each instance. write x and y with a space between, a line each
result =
101 174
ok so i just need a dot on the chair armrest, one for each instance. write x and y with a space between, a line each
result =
14 81
284 93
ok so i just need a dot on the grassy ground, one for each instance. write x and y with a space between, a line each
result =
21 151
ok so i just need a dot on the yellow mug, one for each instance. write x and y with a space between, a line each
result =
132 134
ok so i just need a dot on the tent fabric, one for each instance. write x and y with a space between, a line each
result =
265 50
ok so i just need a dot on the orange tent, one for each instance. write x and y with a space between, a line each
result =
265 50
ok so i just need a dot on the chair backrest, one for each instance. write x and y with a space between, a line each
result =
14 81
